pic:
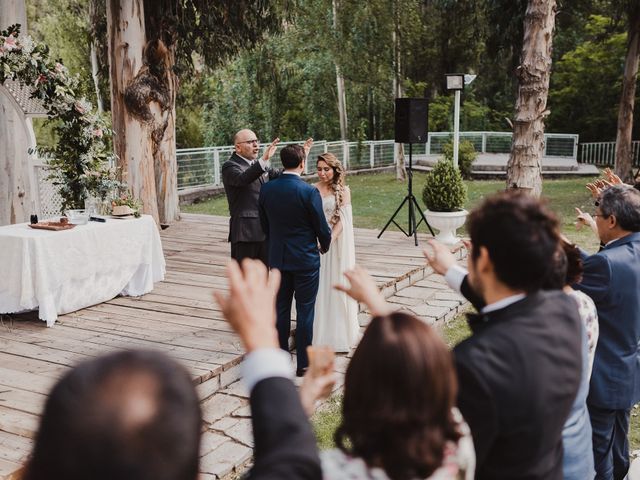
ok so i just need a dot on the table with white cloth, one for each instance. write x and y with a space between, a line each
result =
59 272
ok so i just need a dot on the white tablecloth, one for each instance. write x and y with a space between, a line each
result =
63 271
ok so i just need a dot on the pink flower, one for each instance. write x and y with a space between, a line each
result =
42 78
10 43
79 108
59 67
97 132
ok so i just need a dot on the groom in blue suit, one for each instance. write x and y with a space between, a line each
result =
612 279
292 218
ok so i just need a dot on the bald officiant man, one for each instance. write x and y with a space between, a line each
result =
242 176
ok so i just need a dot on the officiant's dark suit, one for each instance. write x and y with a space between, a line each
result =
242 176
292 217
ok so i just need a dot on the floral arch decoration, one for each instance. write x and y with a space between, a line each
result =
81 163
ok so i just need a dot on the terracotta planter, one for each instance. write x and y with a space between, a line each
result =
447 223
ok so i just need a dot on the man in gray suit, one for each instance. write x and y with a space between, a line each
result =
612 279
242 176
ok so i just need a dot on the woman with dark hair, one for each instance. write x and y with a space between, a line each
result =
398 416
576 434
336 315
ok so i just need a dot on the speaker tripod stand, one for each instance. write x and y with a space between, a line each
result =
412 203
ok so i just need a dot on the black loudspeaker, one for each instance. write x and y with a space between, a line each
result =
412 120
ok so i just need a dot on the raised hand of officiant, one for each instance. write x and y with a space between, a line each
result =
270 149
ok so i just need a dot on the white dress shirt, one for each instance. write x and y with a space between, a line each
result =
265 363
454 278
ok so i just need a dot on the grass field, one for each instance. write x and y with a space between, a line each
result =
376 196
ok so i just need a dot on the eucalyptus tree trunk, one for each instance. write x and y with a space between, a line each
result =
524 169
164 138
16 197
132 140
342 99
624 149
401 171
95 68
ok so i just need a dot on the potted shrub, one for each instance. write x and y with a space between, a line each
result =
445 194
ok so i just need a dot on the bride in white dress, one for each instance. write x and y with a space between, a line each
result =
336 314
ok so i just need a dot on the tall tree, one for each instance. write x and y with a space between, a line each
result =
524 170
398 91
342 98
133 122
172 32
624 152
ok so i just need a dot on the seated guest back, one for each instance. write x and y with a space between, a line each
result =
519 372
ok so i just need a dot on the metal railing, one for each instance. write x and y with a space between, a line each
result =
604 153
199 167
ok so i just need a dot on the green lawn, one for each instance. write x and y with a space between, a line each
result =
376 196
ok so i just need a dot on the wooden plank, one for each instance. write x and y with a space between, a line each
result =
179 318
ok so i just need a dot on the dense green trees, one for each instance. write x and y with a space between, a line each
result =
286 85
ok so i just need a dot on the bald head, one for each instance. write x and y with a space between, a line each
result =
246 144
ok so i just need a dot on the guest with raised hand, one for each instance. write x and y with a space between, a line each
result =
285 446
398 414
611 278
519 371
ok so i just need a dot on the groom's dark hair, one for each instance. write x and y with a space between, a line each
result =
292 156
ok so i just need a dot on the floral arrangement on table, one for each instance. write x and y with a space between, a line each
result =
80 164
127 201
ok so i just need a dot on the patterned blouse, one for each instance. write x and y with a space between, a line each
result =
589 316
458 464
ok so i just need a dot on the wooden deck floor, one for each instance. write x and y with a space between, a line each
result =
179 317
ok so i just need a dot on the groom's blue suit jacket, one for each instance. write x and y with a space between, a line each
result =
292 218
612 279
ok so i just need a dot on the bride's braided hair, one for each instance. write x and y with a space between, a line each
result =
337 183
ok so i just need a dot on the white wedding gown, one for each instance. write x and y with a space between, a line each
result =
336 314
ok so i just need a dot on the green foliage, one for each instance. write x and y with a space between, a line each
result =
79 161
474 115
466 155
444 190
63 25
585 88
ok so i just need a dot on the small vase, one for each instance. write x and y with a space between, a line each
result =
447 223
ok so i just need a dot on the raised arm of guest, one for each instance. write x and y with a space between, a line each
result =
362 288
444 262
285 446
